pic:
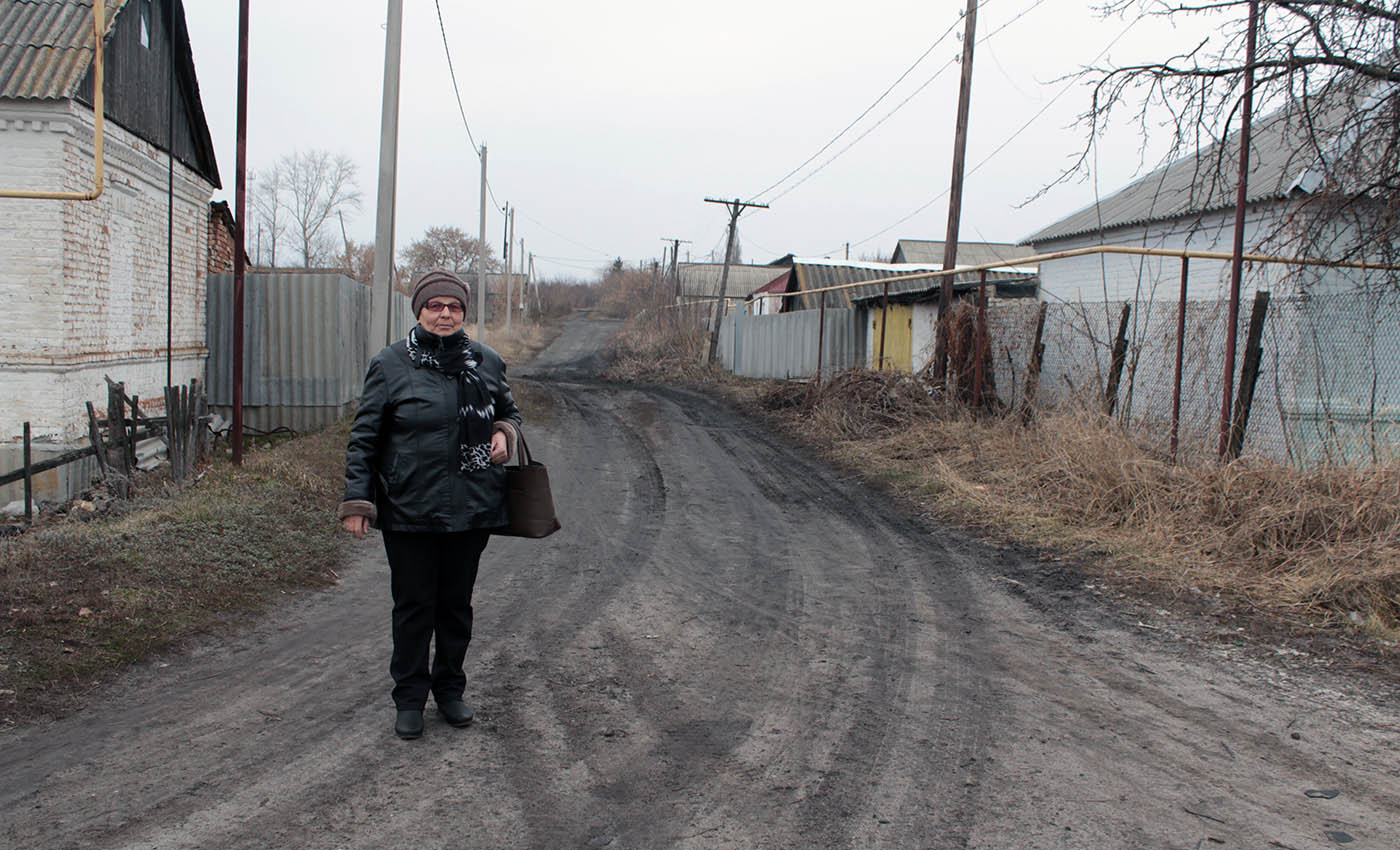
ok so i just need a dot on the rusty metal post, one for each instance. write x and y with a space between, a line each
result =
821 335
240 200
1180 356
1237 259
884 323
981 341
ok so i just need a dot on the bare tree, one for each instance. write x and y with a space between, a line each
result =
268 186
447 247
1327 85
316 186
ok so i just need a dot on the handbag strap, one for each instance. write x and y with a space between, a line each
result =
522 450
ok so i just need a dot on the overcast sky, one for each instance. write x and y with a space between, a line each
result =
608 123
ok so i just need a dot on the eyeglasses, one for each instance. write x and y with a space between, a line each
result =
453 307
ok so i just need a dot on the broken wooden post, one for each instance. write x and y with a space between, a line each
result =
1033 370
96 439
1115 368
1249 374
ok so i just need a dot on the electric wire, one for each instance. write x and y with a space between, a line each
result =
950 63
476 149
999 148
856 120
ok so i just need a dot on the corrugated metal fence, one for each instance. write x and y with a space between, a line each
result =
305 347
785 345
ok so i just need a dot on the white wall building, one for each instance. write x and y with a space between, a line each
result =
89 288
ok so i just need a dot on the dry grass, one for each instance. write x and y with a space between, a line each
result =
525 340
1315 548
1320 546
659 345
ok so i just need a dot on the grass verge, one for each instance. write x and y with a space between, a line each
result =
84 597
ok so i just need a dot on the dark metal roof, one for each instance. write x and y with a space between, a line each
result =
1282 159
819 274
46 46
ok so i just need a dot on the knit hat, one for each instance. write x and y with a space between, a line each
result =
439 282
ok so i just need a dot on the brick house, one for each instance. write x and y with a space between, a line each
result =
84 284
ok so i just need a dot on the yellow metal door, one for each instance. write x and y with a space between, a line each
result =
899 338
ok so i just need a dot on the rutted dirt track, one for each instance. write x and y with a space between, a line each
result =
728 646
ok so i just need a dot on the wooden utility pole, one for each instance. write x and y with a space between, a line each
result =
481 256
735 206
950 244
524 281
506 278
674 272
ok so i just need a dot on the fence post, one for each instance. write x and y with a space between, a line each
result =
1115 369
1180 356
884 323
28 481
821 336
980 341
1033 370
1249 374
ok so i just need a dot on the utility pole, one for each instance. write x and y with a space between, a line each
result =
348 270
379 332
735 206
509 226
524 281
481 257
950 243
675 274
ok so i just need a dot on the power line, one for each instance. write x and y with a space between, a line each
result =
865 112
447 50
999 148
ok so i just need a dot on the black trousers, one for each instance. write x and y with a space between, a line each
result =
431 578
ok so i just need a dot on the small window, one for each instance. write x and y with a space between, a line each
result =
145 23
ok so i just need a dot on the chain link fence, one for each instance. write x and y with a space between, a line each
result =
1328 388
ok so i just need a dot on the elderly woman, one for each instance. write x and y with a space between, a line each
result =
424 465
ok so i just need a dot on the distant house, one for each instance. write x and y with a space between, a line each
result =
768 298
702 280
84 283
906 322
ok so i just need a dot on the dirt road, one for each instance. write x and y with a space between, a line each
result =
728 646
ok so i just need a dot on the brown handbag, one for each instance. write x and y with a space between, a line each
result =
529 502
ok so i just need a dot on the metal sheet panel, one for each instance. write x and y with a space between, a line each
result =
785 345
305 342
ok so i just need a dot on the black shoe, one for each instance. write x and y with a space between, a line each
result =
455 712
408 723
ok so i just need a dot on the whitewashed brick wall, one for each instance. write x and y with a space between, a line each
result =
83 284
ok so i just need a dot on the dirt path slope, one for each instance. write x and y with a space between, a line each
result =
728 646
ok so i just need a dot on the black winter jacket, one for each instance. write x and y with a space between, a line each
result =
402 456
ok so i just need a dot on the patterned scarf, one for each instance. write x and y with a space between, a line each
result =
455 356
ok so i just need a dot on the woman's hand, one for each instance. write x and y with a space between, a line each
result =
356 525
500 451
